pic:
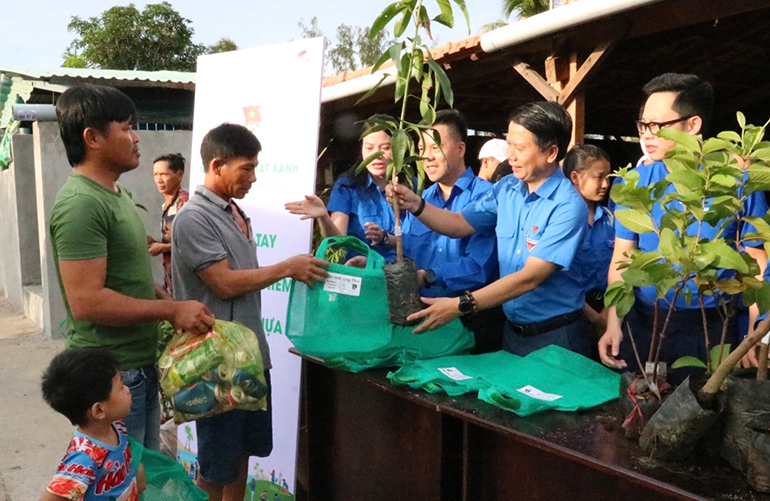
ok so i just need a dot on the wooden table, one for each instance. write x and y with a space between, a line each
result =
361 439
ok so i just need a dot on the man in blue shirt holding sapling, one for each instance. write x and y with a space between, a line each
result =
538 218
450 266
683 102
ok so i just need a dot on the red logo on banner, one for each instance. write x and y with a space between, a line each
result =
534 230
252 117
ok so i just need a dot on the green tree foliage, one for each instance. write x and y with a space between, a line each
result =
492 26
223 45
412 61
519 8
353 49
312 31
124 38
524 8
711 181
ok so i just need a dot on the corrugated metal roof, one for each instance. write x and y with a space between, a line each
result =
64 76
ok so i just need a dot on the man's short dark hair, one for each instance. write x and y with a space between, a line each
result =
76 379
693 95
548 121
175 161
455 121
95 106
228 141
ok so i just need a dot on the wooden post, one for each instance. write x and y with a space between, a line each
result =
564 79
576 106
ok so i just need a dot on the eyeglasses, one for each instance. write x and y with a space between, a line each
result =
654 127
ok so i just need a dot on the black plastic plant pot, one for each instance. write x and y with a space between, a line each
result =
746 401
637 403
403 288
678 426
758 463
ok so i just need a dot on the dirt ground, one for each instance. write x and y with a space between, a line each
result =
33 437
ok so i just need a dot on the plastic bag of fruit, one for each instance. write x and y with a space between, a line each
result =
214 373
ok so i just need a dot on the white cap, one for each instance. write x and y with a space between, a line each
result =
496 148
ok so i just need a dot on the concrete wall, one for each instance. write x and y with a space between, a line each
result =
153 144
10 263
52 170
27 209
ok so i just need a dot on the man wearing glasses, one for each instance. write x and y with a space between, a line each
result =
683 102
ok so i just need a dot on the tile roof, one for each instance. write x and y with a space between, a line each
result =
445 53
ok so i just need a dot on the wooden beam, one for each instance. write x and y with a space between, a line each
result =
556 69
577 105
536 81
577 78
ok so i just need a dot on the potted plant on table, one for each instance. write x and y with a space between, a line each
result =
412 62
711 181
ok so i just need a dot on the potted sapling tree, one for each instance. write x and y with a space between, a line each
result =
413 63
707 184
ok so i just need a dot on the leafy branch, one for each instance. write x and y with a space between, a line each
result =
709 183
412 60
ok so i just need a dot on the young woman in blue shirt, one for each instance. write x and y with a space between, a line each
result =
357 204
588 166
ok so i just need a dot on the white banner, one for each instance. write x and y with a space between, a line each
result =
275 91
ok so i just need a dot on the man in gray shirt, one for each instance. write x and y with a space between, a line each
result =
214 260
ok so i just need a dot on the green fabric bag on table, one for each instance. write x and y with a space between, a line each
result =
405 347
552 378
346 313
167 480
345 322
453 375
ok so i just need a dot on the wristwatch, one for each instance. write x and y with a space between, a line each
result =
467 304
429 278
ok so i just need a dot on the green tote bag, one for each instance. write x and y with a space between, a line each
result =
347 313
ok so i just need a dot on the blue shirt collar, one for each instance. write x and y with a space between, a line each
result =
601 212
370 183
462 184
548 187
465 179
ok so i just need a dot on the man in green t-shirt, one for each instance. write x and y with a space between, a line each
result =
100 251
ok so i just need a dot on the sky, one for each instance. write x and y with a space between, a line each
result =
34 32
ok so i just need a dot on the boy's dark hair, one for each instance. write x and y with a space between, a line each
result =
76 379
175 161
693 95
455 121
228 141
581 156
95 106
548 121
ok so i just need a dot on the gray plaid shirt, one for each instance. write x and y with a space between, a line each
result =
204 233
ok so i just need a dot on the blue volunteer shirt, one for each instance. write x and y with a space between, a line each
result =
755 205
363 204
766 278
460 264
596 249
548 224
